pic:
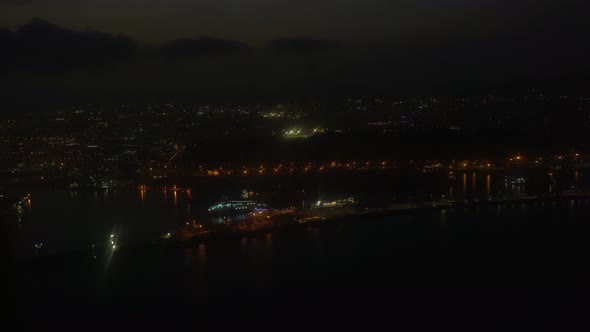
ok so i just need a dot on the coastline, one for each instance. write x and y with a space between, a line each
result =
397 210
173 242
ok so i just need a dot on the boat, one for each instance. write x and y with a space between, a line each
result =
345 202
236 206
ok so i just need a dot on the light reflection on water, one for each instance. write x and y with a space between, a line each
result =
202 258
464 183
256 253
217 219
443 216
259 251
69 219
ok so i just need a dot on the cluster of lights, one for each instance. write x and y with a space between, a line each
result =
112 241
237 205
339 203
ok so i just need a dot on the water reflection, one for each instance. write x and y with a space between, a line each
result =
218 219
68 217
479 185
443 216
268 243
517 189
464 183
202 258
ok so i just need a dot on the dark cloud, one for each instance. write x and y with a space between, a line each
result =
42 47
203 46
456 59
45 47
295 45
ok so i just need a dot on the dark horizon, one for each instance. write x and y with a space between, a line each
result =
457 49
368 21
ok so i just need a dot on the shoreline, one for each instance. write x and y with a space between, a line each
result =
401 209
174 243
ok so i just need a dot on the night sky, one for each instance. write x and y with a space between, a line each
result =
257 21
264 49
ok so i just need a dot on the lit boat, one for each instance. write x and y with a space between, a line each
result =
244 206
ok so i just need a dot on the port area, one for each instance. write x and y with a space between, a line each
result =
265 221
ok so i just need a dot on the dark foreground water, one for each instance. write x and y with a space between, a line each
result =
519 267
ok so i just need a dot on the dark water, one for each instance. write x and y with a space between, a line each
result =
65 220
514 267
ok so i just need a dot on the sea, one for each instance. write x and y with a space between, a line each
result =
516 266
